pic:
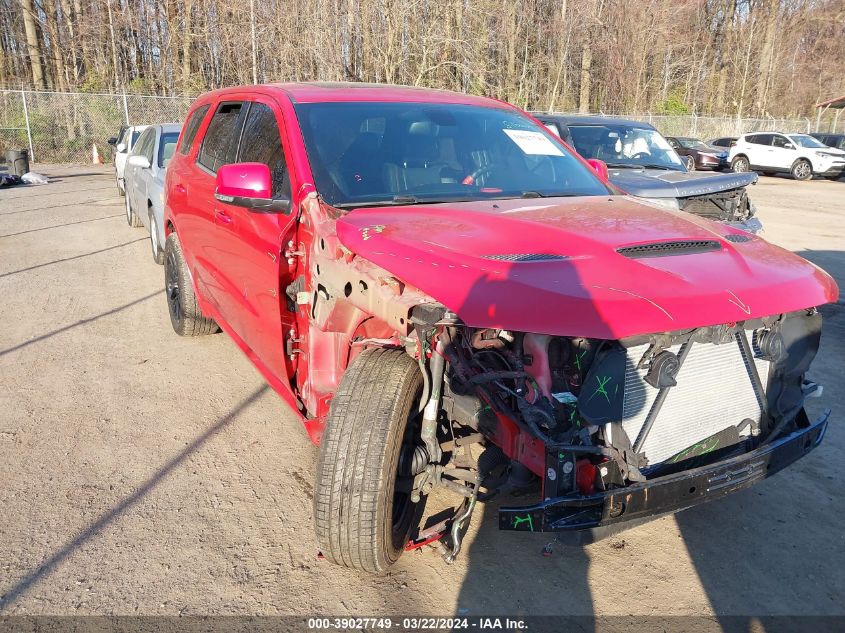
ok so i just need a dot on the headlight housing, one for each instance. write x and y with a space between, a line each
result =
663 203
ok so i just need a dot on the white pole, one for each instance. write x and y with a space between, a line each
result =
125 109
252 26
28 130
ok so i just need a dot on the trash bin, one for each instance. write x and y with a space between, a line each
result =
18 161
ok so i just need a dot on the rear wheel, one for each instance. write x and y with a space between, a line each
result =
131 218
802 170
690 163
740 164
363 510
158 252
185 314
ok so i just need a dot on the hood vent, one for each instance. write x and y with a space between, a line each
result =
738 238
525 257
664 249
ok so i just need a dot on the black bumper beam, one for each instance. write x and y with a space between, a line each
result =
590 518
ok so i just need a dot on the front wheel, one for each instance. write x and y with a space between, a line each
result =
802 170
690 161
185 315
740 164
363 511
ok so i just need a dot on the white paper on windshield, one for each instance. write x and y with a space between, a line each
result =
535 143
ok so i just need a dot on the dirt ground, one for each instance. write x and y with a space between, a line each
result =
147 474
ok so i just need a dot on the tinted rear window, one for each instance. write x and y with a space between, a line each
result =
191 129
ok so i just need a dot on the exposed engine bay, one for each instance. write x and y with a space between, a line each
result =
726 206
586 416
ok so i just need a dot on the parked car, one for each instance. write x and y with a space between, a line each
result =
643 163
798 154
831 140
123 144
420 274
144 182
722 142
696 154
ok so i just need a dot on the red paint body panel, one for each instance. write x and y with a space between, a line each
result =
594 292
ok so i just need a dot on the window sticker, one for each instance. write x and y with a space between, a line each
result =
535 143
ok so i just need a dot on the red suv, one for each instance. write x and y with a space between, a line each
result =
449 297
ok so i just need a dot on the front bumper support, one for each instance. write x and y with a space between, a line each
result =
590 518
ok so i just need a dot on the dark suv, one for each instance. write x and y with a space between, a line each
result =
644 164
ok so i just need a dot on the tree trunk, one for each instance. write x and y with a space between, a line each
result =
33 44
586 64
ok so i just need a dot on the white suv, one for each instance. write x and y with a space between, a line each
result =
123 144
798 154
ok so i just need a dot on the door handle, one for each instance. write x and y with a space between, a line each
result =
222 218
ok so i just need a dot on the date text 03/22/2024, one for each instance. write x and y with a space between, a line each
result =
418 624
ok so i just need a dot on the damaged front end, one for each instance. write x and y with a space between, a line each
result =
620 431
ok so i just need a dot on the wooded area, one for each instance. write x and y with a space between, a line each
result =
722 57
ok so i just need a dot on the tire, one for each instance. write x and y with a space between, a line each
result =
120 191
690 163
185 315
361 521
802 170
132 218
740 164
155 247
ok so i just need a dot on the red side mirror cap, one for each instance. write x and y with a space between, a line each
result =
244 180
600 167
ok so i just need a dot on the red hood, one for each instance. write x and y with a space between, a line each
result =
444 250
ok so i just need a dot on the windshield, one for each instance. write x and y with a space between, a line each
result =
624 146
373 153
802 140
166 145
692 143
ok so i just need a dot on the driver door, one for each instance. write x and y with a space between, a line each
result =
255 241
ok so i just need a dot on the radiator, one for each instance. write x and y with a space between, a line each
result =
713 392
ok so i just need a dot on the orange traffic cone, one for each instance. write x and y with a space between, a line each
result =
95 155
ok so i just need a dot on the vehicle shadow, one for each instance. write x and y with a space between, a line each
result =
67 259
58 226
79 323
10 594
763 552
519 573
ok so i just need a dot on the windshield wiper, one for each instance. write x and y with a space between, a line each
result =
531 194
656 166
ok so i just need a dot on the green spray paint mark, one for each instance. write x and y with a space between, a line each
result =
526 519
602 381
705 446
579 358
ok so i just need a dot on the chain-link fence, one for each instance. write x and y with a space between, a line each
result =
62 127
711 127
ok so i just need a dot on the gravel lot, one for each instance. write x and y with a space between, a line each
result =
147 474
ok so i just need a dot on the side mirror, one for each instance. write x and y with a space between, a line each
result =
121 147
600 167
139 161
112 141
248 185
789 146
